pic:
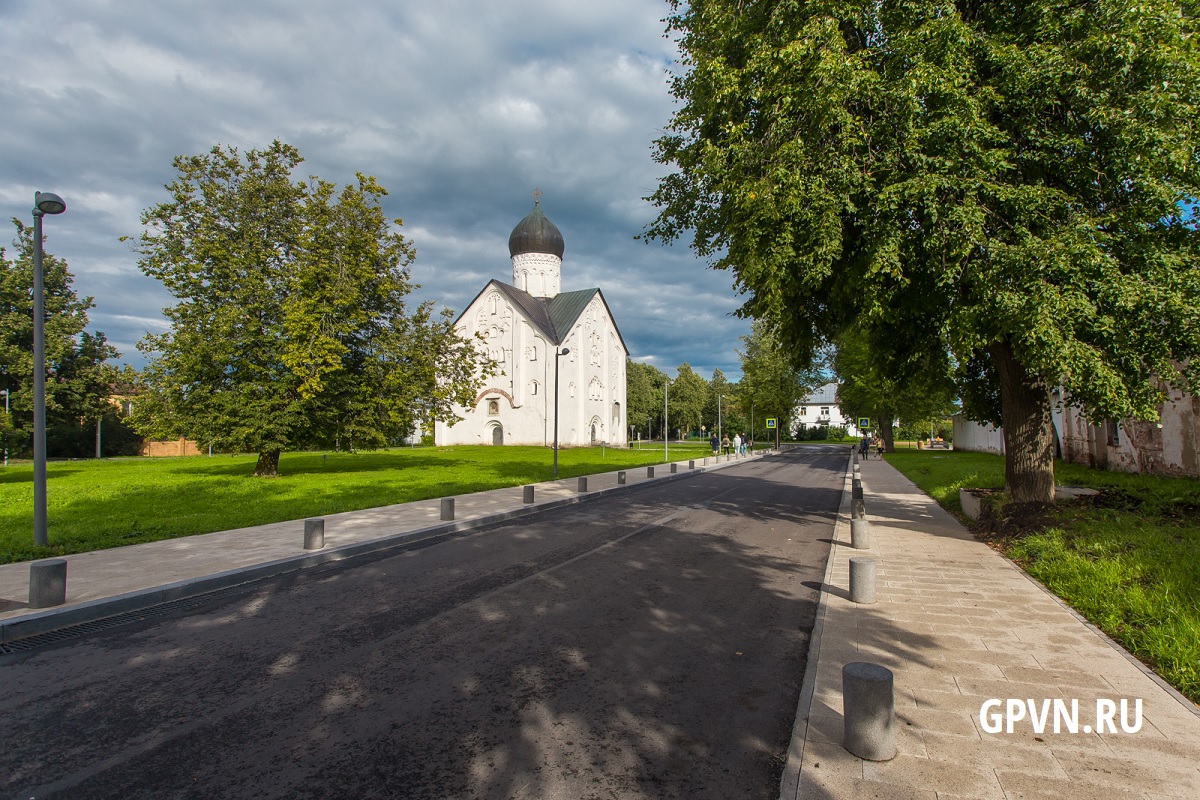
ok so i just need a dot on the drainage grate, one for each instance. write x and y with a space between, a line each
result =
37 640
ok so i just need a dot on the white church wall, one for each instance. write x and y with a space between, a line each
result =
591 384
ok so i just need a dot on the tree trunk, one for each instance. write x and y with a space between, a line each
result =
886 432
1028 430
268 464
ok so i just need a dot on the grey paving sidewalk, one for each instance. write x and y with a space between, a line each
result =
958 625
107 582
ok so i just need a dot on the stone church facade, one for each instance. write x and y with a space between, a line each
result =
523 325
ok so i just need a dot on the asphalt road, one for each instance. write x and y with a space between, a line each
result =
648 646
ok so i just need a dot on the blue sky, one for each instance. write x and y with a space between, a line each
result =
460 108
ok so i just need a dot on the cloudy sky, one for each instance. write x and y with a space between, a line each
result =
460 108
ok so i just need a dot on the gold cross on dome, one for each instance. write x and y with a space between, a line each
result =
537 195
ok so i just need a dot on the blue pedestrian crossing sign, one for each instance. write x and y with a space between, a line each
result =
864 423
771 423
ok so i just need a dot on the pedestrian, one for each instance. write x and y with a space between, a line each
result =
737 445
750 446
725 443
864 448
879 447
715 444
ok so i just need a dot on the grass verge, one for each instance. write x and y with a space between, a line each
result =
95 505
1127 559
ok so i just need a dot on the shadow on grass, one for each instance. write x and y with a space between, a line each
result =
15 475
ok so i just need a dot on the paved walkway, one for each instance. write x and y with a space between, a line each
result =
958 625
107 582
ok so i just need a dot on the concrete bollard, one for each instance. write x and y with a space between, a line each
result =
869 711
447 508
691 465
649 472
862 580
527 494
674 468
621 478
706 461
314 534
860 534
48 583
583 483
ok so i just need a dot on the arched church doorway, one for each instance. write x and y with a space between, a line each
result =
593 433
497 435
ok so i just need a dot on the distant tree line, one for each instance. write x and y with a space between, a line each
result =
81 381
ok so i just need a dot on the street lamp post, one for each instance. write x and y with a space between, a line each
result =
666 427
6 393
557 355
44 203
719 428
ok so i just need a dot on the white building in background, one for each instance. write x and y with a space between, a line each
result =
820 407
524 324
1170 446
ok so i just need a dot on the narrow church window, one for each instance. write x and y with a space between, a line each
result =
533 388
493 408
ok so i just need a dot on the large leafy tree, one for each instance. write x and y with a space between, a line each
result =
79 378
643 394
773 381
721 407
866 389
686 399
291 325
1008 180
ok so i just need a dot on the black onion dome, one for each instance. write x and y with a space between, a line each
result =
536 234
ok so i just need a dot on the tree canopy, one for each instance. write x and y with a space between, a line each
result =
1009 182
291 326
772 382
865 389
686 399
79 378
643 394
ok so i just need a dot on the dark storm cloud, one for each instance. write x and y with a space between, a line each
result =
459 109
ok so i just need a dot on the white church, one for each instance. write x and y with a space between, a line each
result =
524 325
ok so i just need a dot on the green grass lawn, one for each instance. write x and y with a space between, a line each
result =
94 505
1128 560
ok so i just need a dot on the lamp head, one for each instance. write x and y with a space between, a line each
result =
48 203
565 351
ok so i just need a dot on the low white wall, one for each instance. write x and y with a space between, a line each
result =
969 435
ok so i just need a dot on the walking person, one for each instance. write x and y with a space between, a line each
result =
715 444
737 445
864 448
725 443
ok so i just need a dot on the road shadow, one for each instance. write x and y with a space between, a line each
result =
630 646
